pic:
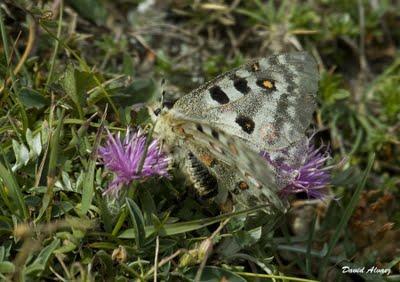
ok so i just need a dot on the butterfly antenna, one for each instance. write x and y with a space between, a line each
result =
162 84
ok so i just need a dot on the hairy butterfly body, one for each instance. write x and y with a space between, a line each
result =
219 129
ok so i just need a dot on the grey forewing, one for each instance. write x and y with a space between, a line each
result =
268 103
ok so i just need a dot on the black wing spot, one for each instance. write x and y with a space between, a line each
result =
290 88
266 84
246 123
199 128
218 95
241 85
215 134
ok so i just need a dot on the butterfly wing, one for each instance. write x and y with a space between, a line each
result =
265 105
254 173
268 103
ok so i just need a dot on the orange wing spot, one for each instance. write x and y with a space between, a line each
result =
243 185
206 159
180 131
268 84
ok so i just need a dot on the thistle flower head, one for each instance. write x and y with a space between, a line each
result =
124 158
311 178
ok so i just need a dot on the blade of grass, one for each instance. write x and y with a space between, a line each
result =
120 221
347 214
309 245
30 43
92 124
182 227
56 46
51 174
137 220
88 182
273 277
4 38
15 191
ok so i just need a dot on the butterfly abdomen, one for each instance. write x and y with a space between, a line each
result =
205 183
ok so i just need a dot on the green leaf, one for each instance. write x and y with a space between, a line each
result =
148 205
21 155
88 177
7 267
66 181
2 248
137 220
88 187
213 273
75 84
61 208
92 10
32 99
105 214
34 142
248 238
40 263
102 245
341 94
67 247
128 64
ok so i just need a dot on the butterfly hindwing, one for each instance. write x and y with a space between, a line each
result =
256 172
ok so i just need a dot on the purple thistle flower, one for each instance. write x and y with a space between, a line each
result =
312 177
123 157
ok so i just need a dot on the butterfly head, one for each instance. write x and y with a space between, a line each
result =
161 106
160 114
158 109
